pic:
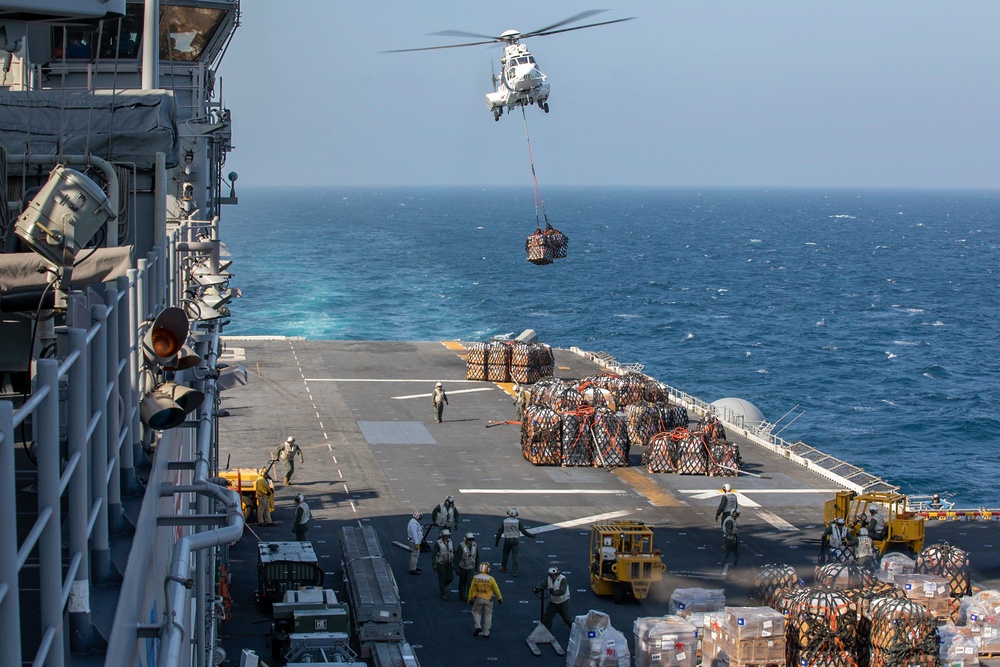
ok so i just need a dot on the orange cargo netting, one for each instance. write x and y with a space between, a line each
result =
611 441
822 631
577 449
949 562
770 581
541 436
902 634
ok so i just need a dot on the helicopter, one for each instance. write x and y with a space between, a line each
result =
520 82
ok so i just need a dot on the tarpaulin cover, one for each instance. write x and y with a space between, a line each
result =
121 127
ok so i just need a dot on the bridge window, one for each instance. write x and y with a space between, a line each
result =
119 38
185 32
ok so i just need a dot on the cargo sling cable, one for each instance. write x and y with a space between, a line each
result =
542 246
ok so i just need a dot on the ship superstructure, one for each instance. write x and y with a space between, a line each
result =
113 291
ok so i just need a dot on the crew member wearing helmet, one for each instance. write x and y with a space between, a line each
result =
287 452
832 540
730 541
481 593
438 400
874 522
727 503
265 498
558 589
443 561
520 401
511 530
863 551
935 503
467 554
608 557
445 515
302 516
415 535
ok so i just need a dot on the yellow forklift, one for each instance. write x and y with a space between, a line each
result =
899 529
623 560
245 481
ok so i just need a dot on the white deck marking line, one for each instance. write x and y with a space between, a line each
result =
431 382
579 522
774 520
552 491
770 517
457 391
717 492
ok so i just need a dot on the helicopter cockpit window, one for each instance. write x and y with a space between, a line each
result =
186 31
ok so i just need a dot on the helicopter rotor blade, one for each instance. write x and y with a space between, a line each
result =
579 27
571 19
462 33
434 48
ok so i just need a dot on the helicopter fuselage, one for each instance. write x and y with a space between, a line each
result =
520 82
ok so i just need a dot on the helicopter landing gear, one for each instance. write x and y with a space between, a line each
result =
544 106
496 115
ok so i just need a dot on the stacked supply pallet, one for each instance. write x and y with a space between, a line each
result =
498 361
668 641
950 562
541 436
744 636
902 633
980 614
822 630
931 592
475 362
376 612
611 443
771 581
530 362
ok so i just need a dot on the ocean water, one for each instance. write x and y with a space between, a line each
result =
874 312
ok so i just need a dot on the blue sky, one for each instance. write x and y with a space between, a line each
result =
896 93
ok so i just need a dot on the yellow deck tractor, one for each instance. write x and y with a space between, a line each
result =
899 530
623 560
245 480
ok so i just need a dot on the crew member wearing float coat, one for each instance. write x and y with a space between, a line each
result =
730 541
520 401
265 496
863 550
727 503
438 400
302 516
511 530
481 593
443 559
874 524
558 589
445 515
467 554
415 535
833 538
286 454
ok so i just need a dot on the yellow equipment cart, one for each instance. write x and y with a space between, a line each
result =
244 480
900 530
623 560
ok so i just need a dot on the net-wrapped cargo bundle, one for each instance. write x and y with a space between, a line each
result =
576 442
593 642
530 362
655 391
643 422
668 641
712 428
629 388
903 634
539 248
611 441
680 417
597 397
687 601
950 562
958 647
744 636
566 399
931 592
769 582
692 455
980 613
823 630
724 459
838 576
558 241
602 380
861 599
658 456
541 436
475 362
545 389
498 361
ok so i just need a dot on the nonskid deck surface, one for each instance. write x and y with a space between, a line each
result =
362 414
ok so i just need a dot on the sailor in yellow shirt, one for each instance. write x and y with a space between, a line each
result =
265 498
481 593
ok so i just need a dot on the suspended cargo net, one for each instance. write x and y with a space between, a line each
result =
839 576
658 456
949 562
771 581
576 440
903 634
692 454
611 441
822 630
543 246
541 436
